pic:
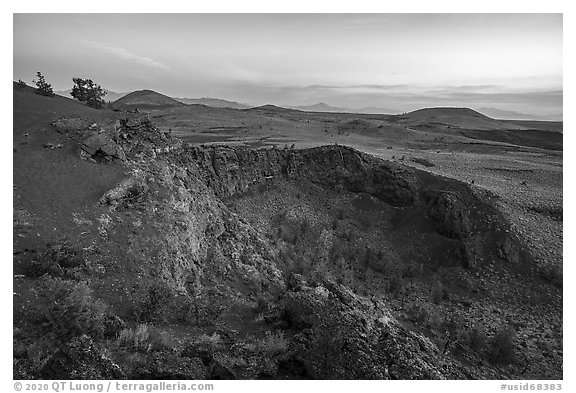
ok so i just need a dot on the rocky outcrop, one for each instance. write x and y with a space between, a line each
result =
364 340
449 214
100 145
126 139
235 170
454 209
127 191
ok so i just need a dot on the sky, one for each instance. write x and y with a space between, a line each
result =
398 62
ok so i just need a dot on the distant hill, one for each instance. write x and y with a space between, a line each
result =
213 102
145 99
377 110
512 115
506 115
546 125
321 107
459 118
109 97
270 108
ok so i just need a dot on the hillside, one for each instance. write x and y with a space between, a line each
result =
145 100
465 118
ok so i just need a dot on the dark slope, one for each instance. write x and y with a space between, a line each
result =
52 183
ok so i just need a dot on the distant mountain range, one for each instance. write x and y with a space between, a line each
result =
490 112
494 113
213 102
377 110
322 107
110 95
511 115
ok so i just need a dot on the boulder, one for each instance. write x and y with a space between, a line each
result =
128 190
101 145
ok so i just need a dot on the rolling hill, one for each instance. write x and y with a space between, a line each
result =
269 108
465 118
145 99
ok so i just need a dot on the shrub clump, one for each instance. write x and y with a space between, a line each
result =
553 275
502 348
397 285
270 344
66 309
438 291
59 260
476 338
151 302
144 338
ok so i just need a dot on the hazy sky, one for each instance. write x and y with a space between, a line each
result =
396 61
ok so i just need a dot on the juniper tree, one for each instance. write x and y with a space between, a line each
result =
44 88
85 90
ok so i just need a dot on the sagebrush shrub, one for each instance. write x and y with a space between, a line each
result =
66 309
476 338
271 343
59 260
437 291
397 285
144 338
151 301
502 346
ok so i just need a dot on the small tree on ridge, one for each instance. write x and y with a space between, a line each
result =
44 88
85 90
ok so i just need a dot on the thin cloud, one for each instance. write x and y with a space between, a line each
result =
363 86
127 55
